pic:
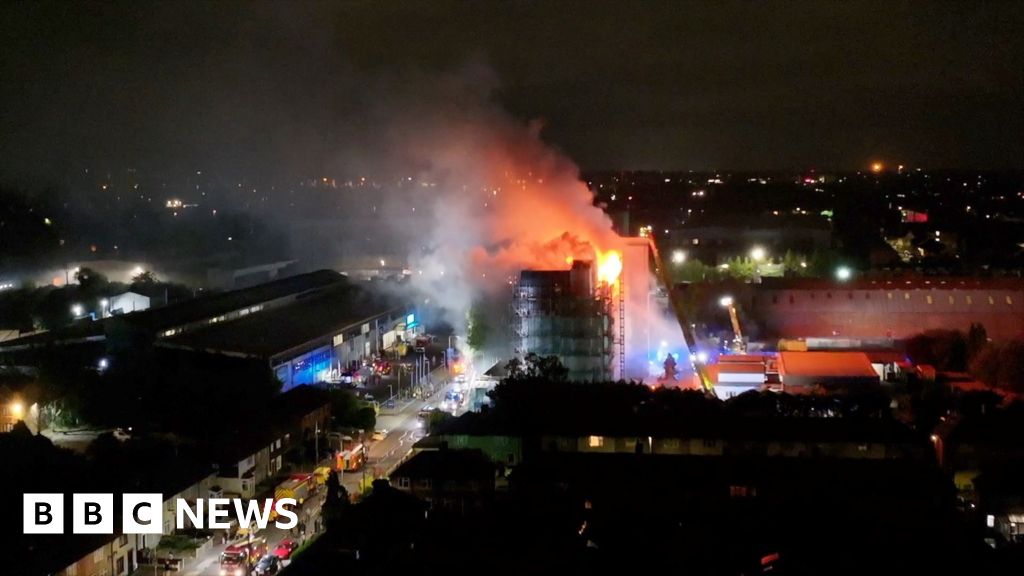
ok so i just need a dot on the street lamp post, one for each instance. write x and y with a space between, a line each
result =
757 254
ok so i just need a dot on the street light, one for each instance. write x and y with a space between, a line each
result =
725 301
843 273
77 310
678 256
757 253
17 410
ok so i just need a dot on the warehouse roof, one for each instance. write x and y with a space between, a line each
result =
826 364
155 320
278 330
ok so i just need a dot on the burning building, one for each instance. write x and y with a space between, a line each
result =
565 313
599 317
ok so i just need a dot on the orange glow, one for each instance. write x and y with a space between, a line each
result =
877 167
569 260
609 266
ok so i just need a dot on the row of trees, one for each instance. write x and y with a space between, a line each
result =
537 388
818 264
1001 364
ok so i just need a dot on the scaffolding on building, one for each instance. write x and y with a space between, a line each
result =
563 313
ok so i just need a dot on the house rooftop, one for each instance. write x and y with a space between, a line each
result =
826 364
446 464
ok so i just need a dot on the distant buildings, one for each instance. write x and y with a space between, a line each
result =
715 239
880 308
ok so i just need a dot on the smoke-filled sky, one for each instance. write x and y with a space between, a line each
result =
282 88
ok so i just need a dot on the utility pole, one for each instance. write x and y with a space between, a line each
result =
316 445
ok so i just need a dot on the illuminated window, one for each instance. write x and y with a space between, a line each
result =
889 295
970 300
991 300
595 441
906 295
928 298
1009 300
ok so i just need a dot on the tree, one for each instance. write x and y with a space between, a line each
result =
350 412
944 349
144 278
90 279
1011 366
985 365
977 339
514 368
478 329
539 367
335 502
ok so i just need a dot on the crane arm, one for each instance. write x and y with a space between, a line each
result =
688 334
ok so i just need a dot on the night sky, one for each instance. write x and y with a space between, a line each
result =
669 85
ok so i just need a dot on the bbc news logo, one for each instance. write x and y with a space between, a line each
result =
143 513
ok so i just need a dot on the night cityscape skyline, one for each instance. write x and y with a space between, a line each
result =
313 288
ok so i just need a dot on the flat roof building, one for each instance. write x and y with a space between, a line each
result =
805 370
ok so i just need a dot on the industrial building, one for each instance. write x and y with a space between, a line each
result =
894 308
310 340
601 328
180 317
306 327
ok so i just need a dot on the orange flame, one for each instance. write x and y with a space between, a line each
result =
609 266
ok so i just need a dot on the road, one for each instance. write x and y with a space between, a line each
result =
405 429
208 563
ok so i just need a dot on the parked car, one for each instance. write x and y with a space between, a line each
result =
268 565
379 434
285 548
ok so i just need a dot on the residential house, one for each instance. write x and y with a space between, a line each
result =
457 481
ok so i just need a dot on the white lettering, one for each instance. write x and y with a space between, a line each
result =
283 508
185 510
216 512
142 513
252 512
